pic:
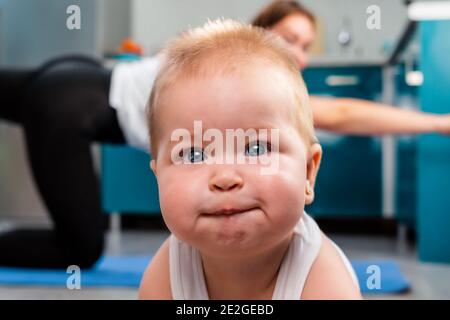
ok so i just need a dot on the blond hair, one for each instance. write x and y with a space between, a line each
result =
231 45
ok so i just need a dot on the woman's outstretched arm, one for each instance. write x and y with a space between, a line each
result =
361 117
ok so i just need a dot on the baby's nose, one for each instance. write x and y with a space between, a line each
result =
225 180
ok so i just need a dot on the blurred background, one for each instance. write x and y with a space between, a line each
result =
105 23
387 178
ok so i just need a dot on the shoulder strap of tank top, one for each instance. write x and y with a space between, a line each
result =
297 262
187 280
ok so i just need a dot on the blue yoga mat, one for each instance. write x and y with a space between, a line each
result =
110 271
126 271
391 278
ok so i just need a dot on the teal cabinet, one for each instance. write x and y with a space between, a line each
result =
433 168
127 183
349 182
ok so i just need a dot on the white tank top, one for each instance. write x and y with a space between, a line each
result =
187 279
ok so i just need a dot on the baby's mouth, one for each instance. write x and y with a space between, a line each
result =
228 212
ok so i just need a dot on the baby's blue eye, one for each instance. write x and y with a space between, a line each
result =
257 148
192 155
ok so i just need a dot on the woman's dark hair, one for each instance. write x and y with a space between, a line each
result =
278 10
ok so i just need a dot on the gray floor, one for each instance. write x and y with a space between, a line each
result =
429 281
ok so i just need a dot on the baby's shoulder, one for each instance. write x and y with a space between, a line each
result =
329 278
155 284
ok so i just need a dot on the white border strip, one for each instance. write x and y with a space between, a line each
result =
437 10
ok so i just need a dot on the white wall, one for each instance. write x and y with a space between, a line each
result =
153 22
35 30
2 44
114 18
367 45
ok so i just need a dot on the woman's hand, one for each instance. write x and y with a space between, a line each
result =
362 117
443 124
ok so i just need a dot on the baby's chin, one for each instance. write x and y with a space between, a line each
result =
238 245
227 244
228 240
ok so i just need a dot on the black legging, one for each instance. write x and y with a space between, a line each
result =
63 107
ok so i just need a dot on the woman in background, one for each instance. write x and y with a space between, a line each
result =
71 102
297 25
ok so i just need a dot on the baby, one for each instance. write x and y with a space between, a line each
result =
238 232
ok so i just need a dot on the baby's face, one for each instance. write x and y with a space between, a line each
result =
232 207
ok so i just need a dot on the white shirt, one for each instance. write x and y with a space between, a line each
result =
131 85
187 279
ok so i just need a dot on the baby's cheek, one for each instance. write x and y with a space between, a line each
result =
284 191
289 191
179 201
177 204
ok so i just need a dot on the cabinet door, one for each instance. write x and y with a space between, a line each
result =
127 183
433 175
349 181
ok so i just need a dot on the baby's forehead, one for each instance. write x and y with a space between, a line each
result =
249 95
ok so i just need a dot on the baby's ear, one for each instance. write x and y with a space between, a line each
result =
153 166
314 158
